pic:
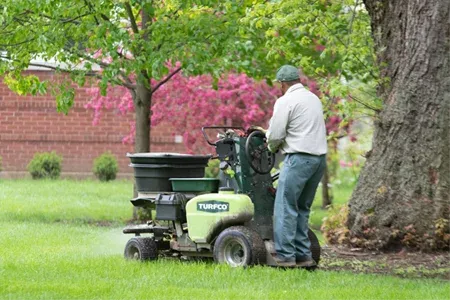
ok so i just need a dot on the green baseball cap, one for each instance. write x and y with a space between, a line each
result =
287 73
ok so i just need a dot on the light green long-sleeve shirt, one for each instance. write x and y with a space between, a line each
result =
297 124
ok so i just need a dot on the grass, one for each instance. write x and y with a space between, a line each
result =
44 255
341 195
65 201
90 201
66 261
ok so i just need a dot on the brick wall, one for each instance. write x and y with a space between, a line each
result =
31 124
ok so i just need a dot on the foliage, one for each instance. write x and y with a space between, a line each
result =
106 167
131 41
334 226
212 170
438 237
144 214
442 234
45 165
119 43
335 231
331 40
24 85
131 44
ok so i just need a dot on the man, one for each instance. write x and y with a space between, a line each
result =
297 128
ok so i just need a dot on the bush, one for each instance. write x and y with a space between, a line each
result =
212 170
334 227
105 167
45 165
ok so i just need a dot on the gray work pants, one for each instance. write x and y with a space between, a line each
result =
299 178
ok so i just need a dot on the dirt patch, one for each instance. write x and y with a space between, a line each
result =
403 264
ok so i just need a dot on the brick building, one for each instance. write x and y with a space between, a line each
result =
31 124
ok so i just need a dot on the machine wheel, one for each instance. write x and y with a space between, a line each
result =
140 248
315 246
239 246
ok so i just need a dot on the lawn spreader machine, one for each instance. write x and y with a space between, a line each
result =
229 219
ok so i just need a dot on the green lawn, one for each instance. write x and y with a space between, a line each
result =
93 201
65 201
51 247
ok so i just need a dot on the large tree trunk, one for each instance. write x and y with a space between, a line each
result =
403 190
142 102
143 94
142 98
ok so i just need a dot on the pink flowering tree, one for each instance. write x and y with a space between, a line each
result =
188 103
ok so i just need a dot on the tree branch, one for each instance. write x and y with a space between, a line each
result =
90 73
154 89
351 22
94 74
317 17
105 17
126 83
364 104
131 17
17 44
91 9
74 19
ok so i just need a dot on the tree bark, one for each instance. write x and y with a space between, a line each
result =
142 96
326 193
403 188
142 104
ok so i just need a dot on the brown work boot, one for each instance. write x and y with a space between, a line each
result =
284 263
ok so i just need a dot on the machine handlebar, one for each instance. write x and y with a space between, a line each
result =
218 127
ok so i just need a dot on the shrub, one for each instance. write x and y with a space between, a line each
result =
212 170
45 165
105 167
334 227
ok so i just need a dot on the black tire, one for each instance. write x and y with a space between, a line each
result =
315 246
239 246
140 248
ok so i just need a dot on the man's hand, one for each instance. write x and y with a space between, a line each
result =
272 150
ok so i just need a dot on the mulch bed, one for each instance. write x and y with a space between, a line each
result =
403 264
